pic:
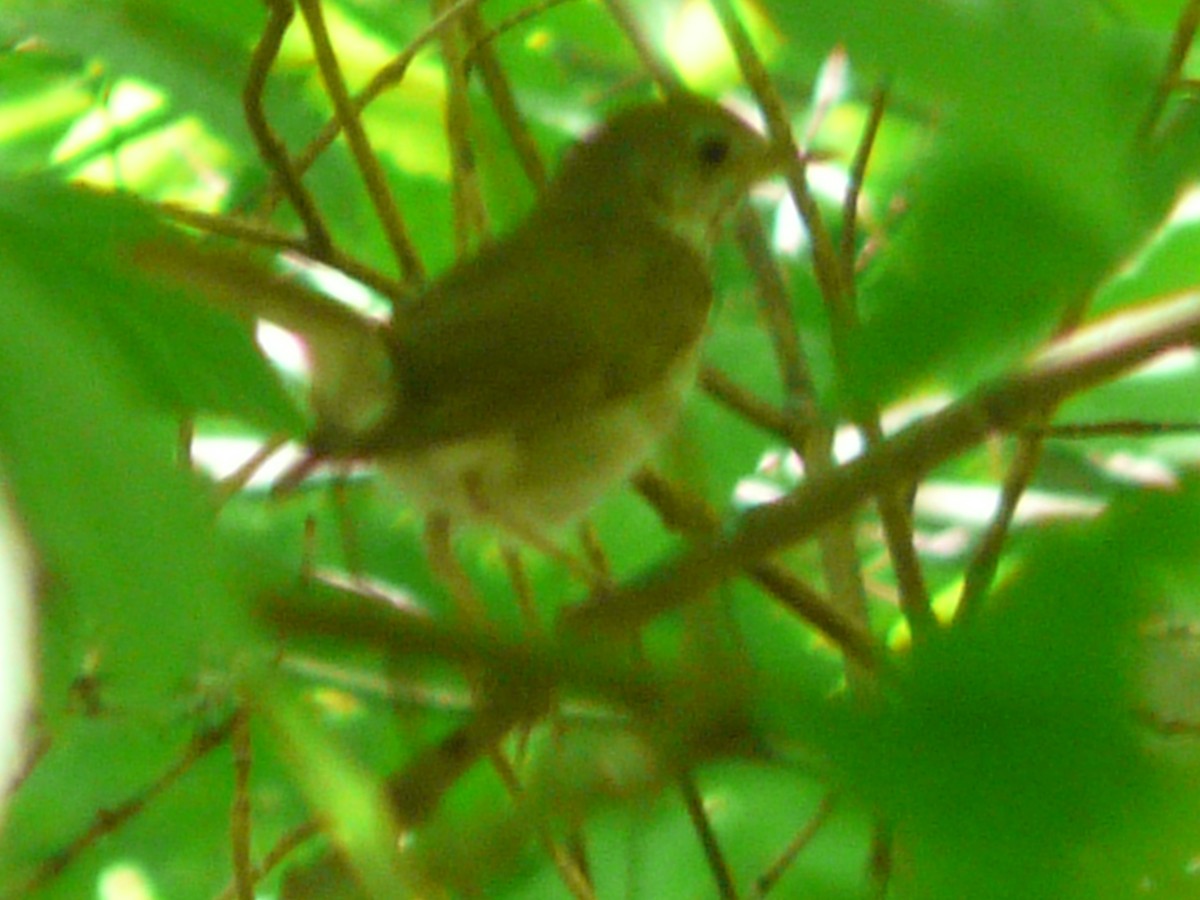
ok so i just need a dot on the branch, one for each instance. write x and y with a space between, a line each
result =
270 147
1181 43
1067 368
108 821
389 76
496 82
395 230
691 516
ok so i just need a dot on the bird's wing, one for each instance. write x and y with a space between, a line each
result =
351 370
551 322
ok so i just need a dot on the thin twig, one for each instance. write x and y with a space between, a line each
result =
1004 405
839 553
717 864
270 147
107 821
896 518
688 514
411 270
352 554
239 818
593 551
389 76
439 550
766 882
664 76
858 172
1117 427
826 266
37 746
416 791
879 861
308 549
518 577
235 481
293 839
775 307
894 512
750 407
568 864
849 636
495 81
440 769
981 570
1181 44
265 236
470 216
516 20
572 877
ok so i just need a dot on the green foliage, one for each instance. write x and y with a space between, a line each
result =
1026 177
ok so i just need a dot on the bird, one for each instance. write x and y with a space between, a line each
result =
529 380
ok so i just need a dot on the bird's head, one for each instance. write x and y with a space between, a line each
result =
683 163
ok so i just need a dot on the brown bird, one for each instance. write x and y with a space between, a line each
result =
527 381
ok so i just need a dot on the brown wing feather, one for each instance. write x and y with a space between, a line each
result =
560 318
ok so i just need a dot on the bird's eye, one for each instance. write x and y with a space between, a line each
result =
713 150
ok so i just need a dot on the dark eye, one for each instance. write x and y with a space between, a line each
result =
712 151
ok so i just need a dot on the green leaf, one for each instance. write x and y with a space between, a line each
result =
1012 761
76 249
125 535
1036 188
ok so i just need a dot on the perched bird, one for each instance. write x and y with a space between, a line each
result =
528 380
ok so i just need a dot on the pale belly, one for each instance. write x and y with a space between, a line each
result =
537 479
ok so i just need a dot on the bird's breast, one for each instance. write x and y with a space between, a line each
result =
549 474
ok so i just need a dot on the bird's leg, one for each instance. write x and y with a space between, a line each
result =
589 539
493 698
575 856
528 534
439 548
522 589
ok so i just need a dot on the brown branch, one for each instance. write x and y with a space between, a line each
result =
880 860
775 307
416 791
662 74
283 848
1004 405
265 236
894 512
766 882
825 258
569 872
411 270
495 81
1123 427
750 407
107 821
517 19
839 553
239 819
986 559
981 571
270 147
518 577
470 217
689 515
1181 44
858 171
389 76
717 863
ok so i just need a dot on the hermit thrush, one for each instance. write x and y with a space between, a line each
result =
530 379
